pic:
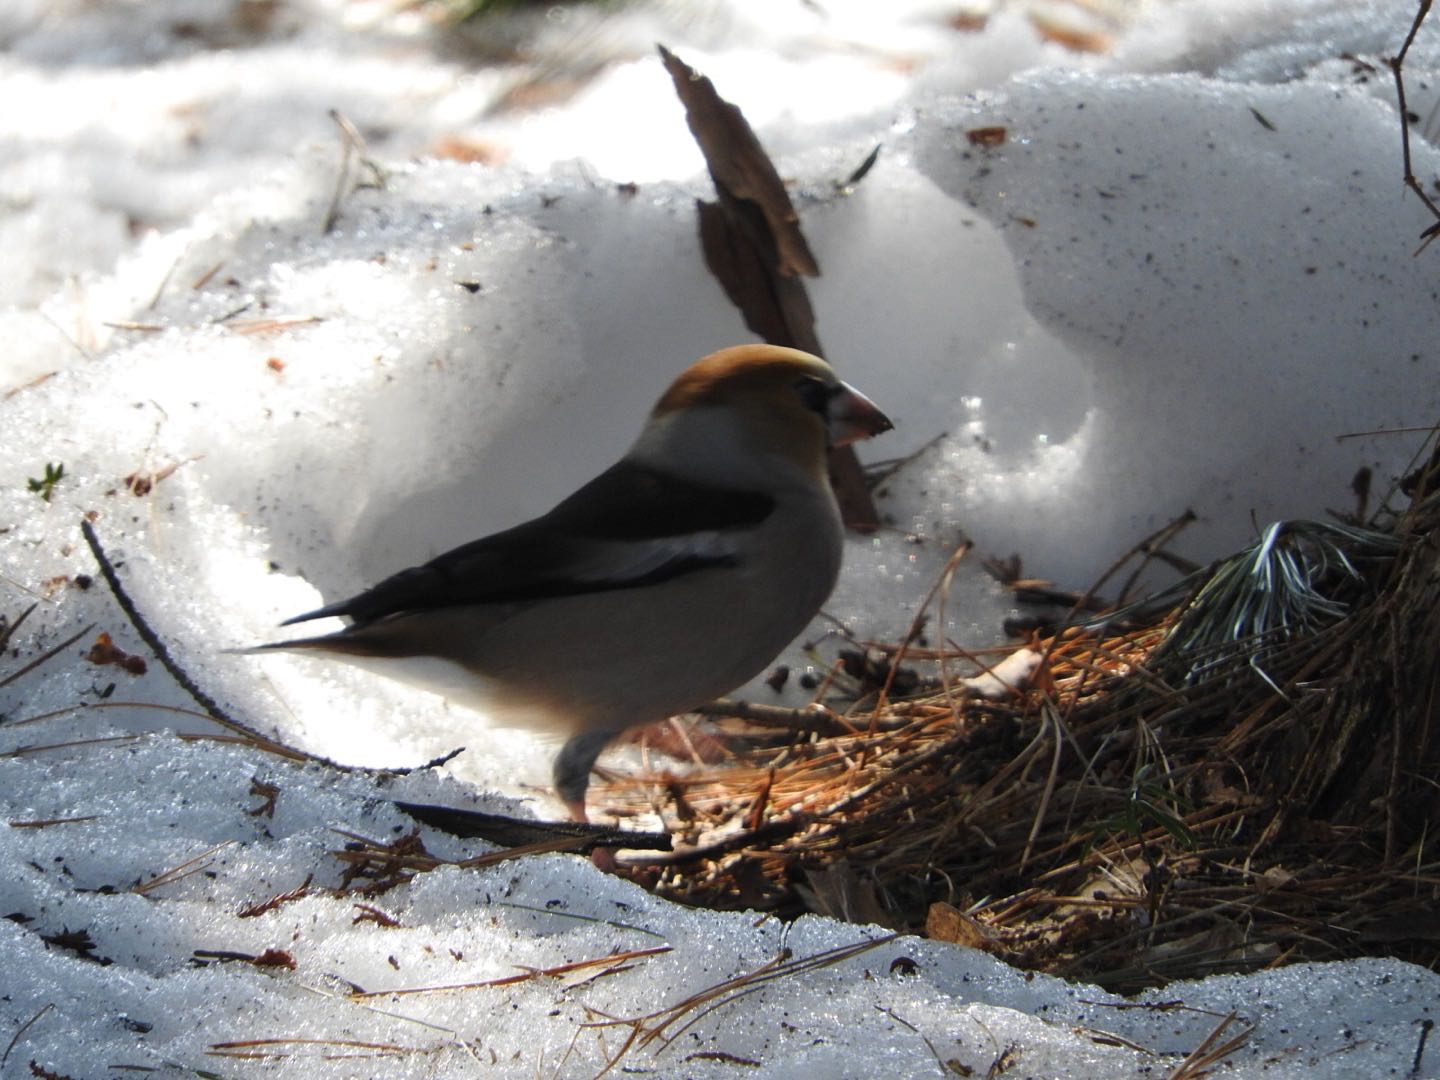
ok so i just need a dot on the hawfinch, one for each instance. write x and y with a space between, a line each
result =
670 579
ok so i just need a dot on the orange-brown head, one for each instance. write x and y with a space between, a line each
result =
771 402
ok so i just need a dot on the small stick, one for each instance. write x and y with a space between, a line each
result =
1396 63
1426 1026
526 975
1053 717
352 142
41 659
1197 1063
7 631
805 718
26 1027
152 640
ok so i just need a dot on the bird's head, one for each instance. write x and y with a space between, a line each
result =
751 410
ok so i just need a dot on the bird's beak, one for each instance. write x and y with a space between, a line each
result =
851 416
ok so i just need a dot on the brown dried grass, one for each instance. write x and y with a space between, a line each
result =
1125 819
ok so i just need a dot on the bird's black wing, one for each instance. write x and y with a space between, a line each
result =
630 526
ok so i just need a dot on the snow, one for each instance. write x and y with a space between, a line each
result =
1183 275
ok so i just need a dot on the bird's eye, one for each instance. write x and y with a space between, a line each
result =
815 393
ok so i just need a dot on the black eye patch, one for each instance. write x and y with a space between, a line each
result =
815 393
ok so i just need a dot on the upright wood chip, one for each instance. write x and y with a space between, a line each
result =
753 245
739 163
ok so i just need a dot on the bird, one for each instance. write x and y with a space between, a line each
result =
676 575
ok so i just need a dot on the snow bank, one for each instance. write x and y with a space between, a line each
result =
1184 273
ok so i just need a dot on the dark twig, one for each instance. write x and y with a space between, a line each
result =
24 1028
205 701
152 640
1397 63
47 655
7 630
1426 1026
510 831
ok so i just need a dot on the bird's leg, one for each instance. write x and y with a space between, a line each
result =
572 778
572 768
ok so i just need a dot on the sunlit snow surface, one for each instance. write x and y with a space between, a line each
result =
1184 273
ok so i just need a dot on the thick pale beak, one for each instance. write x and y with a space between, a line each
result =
851 416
